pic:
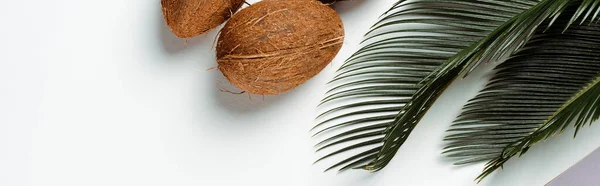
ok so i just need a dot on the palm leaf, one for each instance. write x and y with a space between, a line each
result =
550 84
510 36
413 66
372 99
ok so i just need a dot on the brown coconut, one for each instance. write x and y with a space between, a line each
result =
189 18
275 45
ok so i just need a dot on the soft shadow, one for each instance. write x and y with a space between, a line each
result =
234 99
173 44
221 89
448 161
353 178
345 6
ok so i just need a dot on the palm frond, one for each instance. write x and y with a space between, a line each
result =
548 85
514 33
383 90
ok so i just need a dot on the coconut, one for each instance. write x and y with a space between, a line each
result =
189 18
275 45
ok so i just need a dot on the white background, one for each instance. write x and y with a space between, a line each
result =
101 93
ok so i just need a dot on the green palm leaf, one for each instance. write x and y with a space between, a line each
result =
535 94
550 84
514 33
383 77
406 69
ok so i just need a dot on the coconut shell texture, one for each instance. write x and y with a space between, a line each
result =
273 46
189 18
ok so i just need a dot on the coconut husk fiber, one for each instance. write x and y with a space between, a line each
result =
189 18
273 46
